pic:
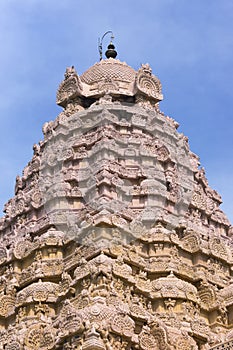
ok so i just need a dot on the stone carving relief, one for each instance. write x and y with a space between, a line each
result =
207 295
147 83
191 241
114 239
70 87
39 336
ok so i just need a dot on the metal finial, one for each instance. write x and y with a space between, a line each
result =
111 52
100 46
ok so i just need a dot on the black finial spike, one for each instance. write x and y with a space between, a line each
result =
111 52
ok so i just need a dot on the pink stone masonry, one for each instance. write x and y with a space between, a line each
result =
114 239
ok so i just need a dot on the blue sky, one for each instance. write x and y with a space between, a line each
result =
189 45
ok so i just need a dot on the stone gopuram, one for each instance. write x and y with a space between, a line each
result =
114 238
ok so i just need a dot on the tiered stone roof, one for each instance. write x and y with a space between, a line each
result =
114 238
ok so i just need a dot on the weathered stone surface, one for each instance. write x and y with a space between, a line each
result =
114 239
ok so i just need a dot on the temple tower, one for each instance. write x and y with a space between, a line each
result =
114 239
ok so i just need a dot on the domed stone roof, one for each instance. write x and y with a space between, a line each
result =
173 287
109 69
111 78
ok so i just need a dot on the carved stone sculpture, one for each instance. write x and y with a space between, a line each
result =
114 239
